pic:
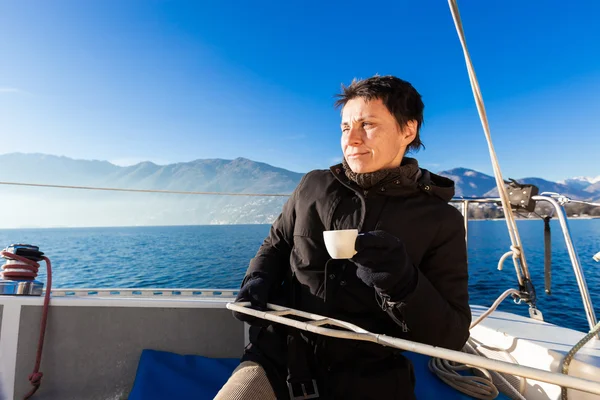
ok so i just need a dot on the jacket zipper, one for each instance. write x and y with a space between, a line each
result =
363 196
396 314
400 321
404 327
394 310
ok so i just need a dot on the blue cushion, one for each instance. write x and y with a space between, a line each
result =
162 375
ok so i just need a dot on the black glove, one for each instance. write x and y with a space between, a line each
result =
255 289
382 263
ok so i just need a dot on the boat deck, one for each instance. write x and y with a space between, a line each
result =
93 343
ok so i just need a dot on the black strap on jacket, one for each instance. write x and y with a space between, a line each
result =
301 381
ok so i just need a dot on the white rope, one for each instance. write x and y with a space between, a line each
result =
515 253
142 190
494 306
496 379
474 386
510 220
480 387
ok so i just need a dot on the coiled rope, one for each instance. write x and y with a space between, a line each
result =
479 387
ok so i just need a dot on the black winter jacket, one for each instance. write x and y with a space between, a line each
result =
435 311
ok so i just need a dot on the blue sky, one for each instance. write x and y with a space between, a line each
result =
170 81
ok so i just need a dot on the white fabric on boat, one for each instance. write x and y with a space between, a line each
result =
247 382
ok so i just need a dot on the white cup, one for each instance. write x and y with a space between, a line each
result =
340 244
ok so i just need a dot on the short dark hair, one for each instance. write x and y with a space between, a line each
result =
400 98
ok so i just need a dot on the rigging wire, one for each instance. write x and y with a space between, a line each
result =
145 190
510 220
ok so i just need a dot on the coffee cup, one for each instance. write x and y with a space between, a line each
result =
340 243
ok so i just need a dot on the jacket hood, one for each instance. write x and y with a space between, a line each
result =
436 185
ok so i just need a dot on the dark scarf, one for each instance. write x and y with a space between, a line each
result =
408 172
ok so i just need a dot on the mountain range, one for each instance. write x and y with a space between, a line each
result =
470 183
36 207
